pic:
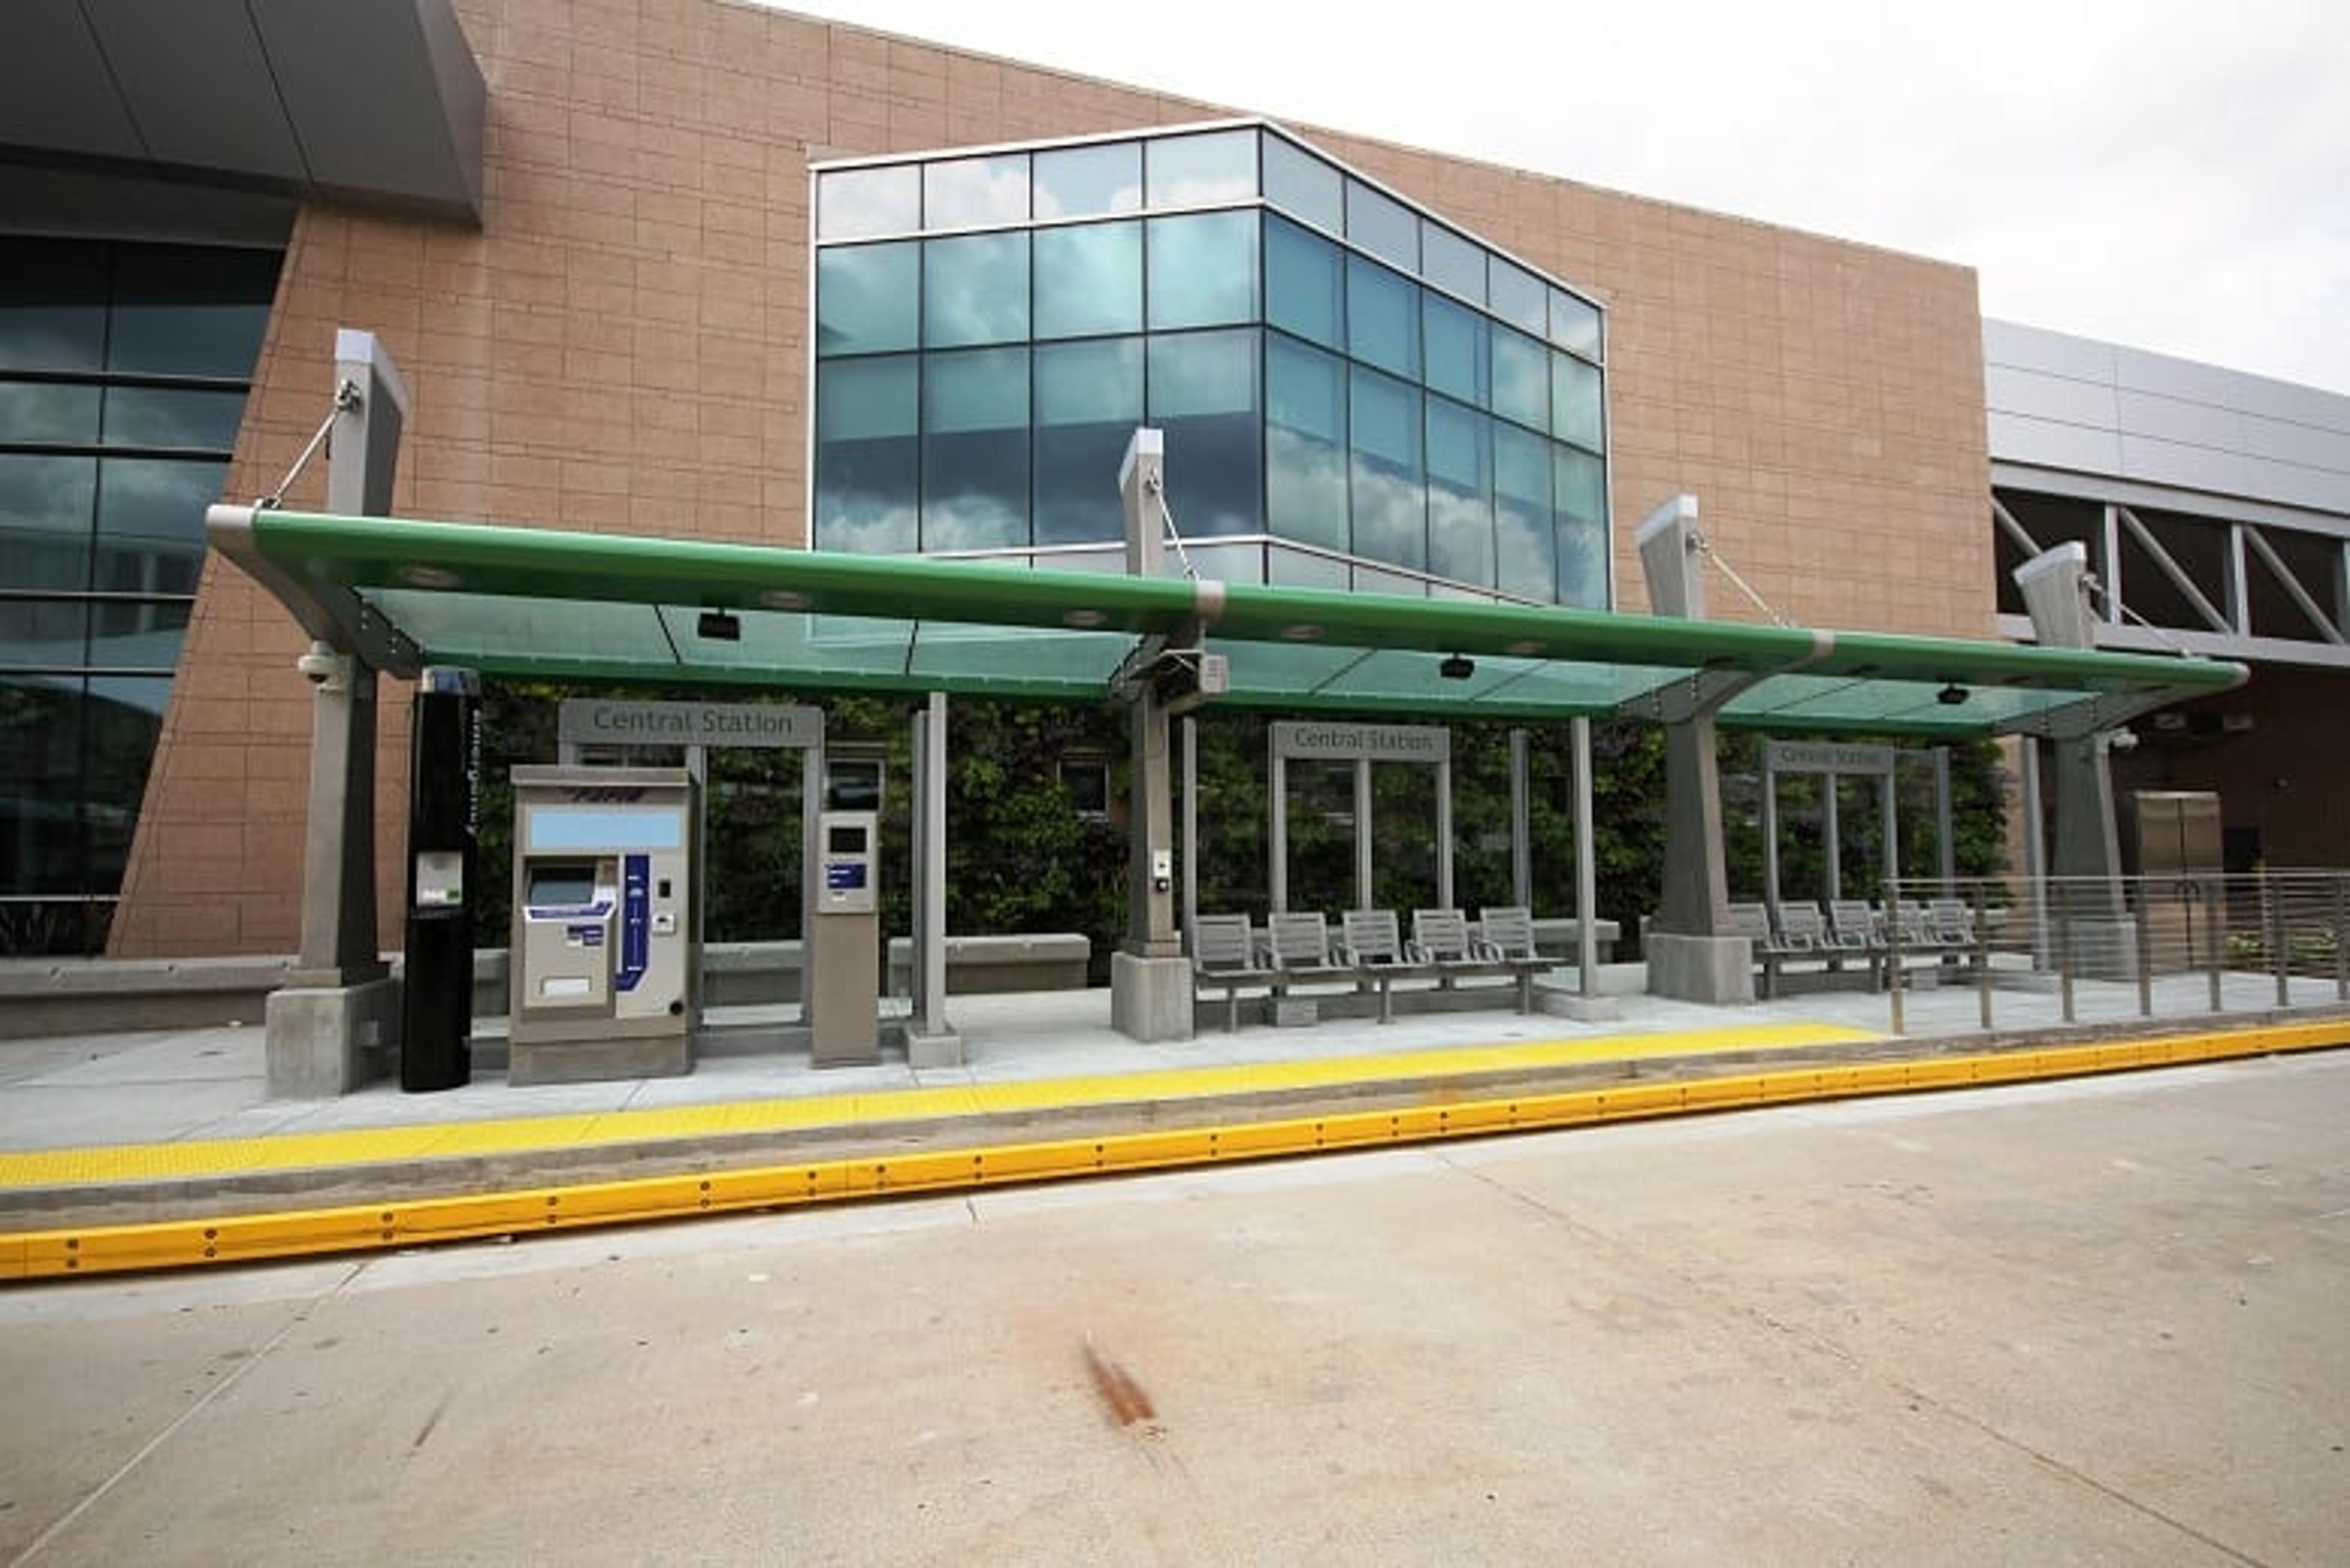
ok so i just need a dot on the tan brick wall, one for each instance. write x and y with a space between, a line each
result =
623 347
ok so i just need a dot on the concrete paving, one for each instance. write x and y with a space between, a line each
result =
2092 1322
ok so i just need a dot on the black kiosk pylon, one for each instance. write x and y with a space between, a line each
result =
444 771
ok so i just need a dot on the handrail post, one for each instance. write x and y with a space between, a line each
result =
1983 954
1893 951
2280 958
2145 958
2340 938
2215 936
2065 956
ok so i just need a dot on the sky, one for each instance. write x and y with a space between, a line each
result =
2170 175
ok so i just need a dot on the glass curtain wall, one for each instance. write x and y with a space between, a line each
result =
123 375
1354 392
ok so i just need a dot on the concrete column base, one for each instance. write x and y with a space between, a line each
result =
324 1040
1718 971
933 1049
1150 998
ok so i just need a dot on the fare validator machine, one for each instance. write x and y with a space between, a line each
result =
844 939
604 959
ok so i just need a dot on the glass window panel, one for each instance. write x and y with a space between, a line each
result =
867 455
52 305
869 298
1306 444
136 635
974 290
857 204
48 411
1460 350
1522 525
1299 182
1520 378
1582 524
963 192
1383 226
46 504
1202 390
150 523
121 720
1459 493
1203 270
1083 181
975 449
1453 263
1575 323
44 634
1304 283
189 310
1382 317
40 755
1518 296
1390 490
1194 171
1574 402
1088 280
157 416
1088 402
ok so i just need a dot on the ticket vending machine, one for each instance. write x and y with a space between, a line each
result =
603 961
844 947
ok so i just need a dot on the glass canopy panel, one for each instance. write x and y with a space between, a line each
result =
858 203
1088 280
1299 182
1022 656
1200 170
965 192
1798 701
1089 182
498 633
974 290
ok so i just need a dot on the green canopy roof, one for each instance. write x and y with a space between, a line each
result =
524 602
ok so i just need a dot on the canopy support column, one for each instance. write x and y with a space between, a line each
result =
336 1024
930 1040
1150 978
1692 954
2088 860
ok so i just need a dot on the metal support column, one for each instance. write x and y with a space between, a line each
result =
1151 980
1521 861
1771 836
1942 825
1277 790
1190 831
1443 834
1831 836
1362 832
1587 865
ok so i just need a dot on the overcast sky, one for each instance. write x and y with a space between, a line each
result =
2171 175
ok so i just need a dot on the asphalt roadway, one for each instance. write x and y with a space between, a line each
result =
2094 1321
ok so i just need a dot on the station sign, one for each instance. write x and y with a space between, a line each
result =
1825 757
1376 742
594 722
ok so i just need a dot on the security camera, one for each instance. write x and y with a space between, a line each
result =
324 668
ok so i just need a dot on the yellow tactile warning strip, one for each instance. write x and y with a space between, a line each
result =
194 1242
368 1146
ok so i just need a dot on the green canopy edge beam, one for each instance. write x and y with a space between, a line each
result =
324 567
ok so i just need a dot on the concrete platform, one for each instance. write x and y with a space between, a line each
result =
168 1126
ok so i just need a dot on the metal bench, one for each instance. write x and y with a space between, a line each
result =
1774 946
1856 930
1445 941
1509 933
1371 943
1300 948
1224 957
